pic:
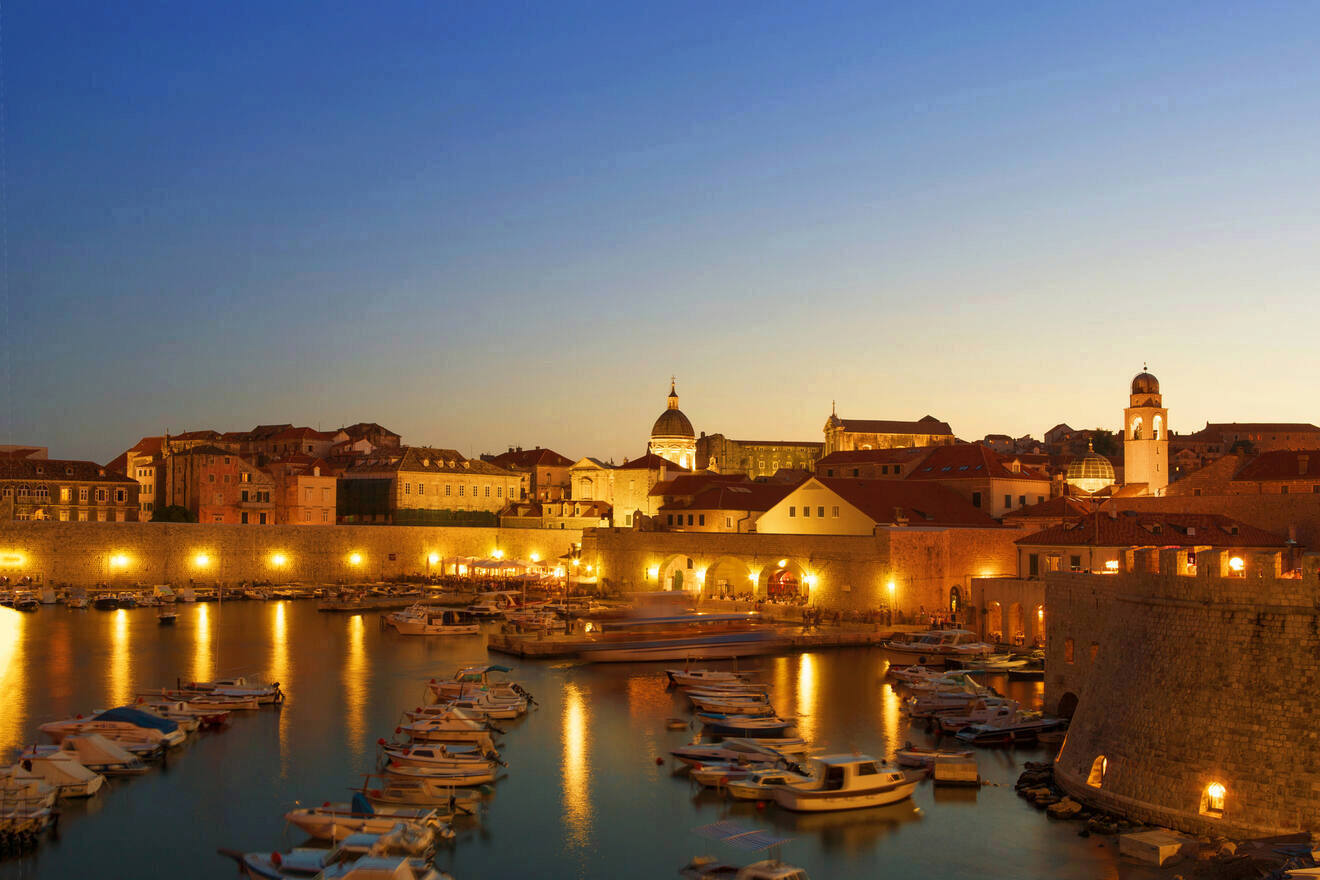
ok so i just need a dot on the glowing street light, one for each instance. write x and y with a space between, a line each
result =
355 559
119 560
433 558
536 557
497 554
1236 564
201 560
278 560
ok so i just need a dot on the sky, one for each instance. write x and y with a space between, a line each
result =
493 224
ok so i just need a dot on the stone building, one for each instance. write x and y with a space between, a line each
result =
755 458
561 514
64 491
548 474
990 482
419 485
872 464
1221 438
672 437
715 502
845 434
824 506
1192 695
1146 437
216 485
631 485
306 490
592 480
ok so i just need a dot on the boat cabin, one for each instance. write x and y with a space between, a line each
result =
849 772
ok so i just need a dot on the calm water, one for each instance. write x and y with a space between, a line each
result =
583 796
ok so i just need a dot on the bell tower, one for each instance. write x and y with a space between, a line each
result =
1146 436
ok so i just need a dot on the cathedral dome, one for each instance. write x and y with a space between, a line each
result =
1145 383
672 423
1090 473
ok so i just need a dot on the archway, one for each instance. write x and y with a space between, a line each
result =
1067 705
783 583
1016 629
728 576
1038 625
994 623
678 574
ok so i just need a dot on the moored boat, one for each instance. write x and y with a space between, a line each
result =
845 782
402 840
935 647
336 821
63 770
94 752
917 756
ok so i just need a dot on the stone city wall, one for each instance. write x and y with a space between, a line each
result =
85 554
1198 684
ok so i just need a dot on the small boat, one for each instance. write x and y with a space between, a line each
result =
914 674
470 681
24 793
741 749
203 700
484 708
106 602
704 676
422 621
63 771
917 756
166 615
242 688
980 712
25 600
402 840
438 755
336 821
128 600
758 708
447 777
124 725
77 602
845 782
1020 728
418 791
677 723
455 727
718 774
94 752
719 724
759 785
935 647
707 868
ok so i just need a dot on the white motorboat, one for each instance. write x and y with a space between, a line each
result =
422 621
124 725
914 674
536 618
484 707
758 785
438 755
733 707
179 710
454 727
305 862
242 688
472 681
204 699
337 821
723 724
77 601
977 712
62 770
25 600
418 791
94 752
845 782
24 793
705 676
1020 727
383 868
935 647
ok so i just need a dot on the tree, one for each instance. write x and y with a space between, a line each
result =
173 513
1104 442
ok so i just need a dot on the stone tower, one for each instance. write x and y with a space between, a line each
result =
1146 436
672 436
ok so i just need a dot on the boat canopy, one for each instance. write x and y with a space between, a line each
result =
130 715
360 804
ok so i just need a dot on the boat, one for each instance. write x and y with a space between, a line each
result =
914 674
720 724
719 774
705 676
128 600
124 725
242 688
106 602
994 663
918 756
483 707
758 785
536 618
205 700
758 706
444 623
94 752
418 791
24 793
46 595
62 770
707 868
492 605
305 862
458 727
469 681
77 601
336 821
25 600
980 712
935 647
447 777
179 710
845 782
166 615
741 749
438 755
1019 728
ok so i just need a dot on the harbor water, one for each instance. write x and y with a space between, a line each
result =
590 789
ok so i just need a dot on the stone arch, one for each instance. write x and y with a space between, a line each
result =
678 573
1067 705
1016 626
728 575
1135 429
994 622
1156 424
780 577
1038 624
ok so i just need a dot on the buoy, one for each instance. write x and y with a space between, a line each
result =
398 730
659 762
276 859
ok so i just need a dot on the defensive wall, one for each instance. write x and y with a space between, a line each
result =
838 571
1196 694
85 553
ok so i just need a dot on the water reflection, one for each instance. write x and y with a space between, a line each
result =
279 671
852 831
577 800
13 677
121 684
891 718
202 665
806 697
356 685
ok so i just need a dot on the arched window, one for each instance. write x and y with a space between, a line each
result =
1155 425
1098 768
955 600
1212 800
1136 428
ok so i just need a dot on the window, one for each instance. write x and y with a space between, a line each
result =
407 488
82 516
806 510
1094 650
728 522
1283 490
261 518
307 516
701 519
1212 800
792 511
488 490
829 472
210 478
82 494
820 511
243 496
100 516
499 491
244 477
976 499
1074 563
835 513
1067 650
226 459
217 517
669 519
100 494
227 478
689 519
1033 565
627 519
421 488
1098 768
884 468
447 487
65 493
325 516
856 472
1022 501
1008 502
64 516
461 489
243 518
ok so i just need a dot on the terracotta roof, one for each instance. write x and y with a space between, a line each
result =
924 425
303 434
196 435
651 462
1062 506
735 496
1134 529
1282 465
968 461
362 429
530 458
691 484
56 469
921 503
875 456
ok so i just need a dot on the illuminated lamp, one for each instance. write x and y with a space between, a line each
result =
201 560
278 560
1236 564
355 559
433 558
536 557
1111 565
576 562
497 554
653 572
119 560
783 562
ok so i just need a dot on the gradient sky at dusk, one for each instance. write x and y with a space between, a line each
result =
485 224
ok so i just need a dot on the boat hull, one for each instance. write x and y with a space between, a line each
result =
824 801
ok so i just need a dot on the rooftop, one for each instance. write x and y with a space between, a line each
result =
1132 528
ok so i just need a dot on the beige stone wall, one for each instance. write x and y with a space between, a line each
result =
1193 681
790 515
79 553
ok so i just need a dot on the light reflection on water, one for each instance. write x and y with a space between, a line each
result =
279 672
806 697
577 801
202 669
356 686
13 676
121 681
890 716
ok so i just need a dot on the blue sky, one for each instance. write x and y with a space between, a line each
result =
495 224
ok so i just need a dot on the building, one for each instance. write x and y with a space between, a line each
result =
1057 510
1146 437
419 485
824 506
732 507
672 437
264 445
1221 438
216 485
1090 473
64 490
988 481
631 485
846 434
872 464
755 458
306 490
563 514
592 480
547 472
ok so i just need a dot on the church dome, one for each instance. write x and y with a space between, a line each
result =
1090 473
1145 383
672 423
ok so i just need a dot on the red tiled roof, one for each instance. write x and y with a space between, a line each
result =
651 462
529 458
968 461
924 425
1062 506
1134 529
875 456
303 434
735 496
921 503
196 435
691 484
1282 465
55 469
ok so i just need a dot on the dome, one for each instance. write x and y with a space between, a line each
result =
1145 383
1090 473
672 423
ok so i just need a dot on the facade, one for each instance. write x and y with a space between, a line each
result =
632 483
1146 436
1221 438
418 485
846 434
872 464
562 514
755 458
306 491
64 491
547 472
217 485
986 480
672 437
715 502
592 480
824 506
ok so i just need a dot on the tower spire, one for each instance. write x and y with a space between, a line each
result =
673 393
